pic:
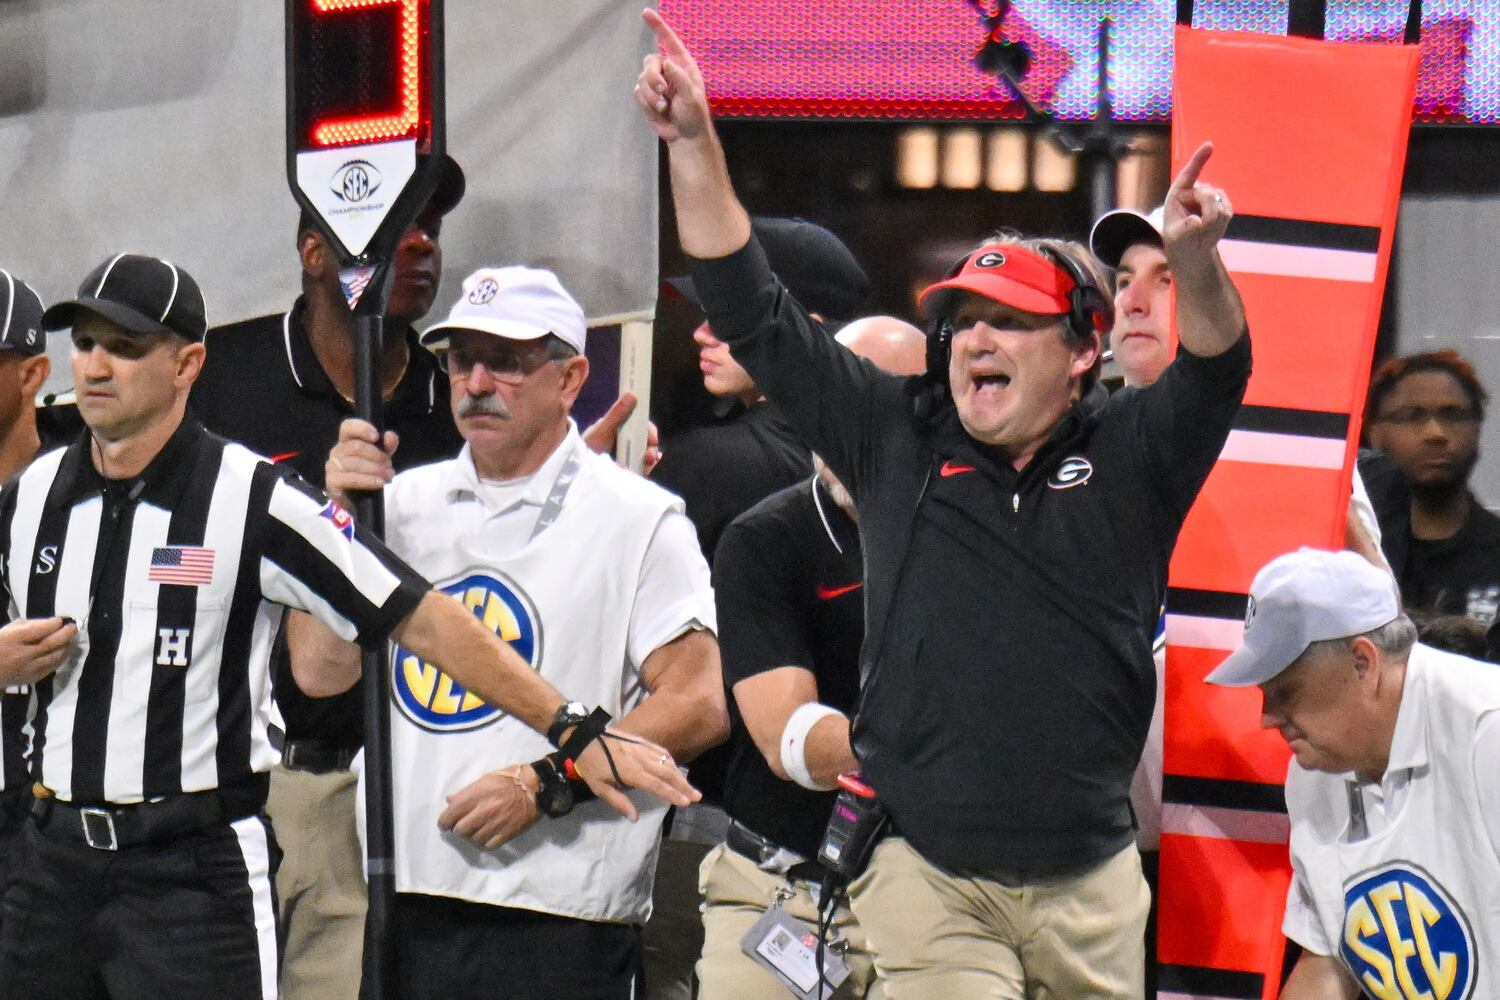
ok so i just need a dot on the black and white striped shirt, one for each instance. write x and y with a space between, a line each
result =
177 580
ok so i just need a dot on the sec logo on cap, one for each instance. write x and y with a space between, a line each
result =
1405 938
436 702
484 292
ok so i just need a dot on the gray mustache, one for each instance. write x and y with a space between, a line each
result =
490 406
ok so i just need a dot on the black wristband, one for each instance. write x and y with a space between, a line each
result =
581 790
569 714
555 796
583 734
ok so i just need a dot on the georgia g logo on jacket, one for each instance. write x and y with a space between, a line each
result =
1074 470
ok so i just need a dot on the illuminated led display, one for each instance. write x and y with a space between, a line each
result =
914 59
361 76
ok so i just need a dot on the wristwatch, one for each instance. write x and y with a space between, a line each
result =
555 797
569 714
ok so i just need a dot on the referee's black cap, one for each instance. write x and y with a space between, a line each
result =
20 317
137 293
815 265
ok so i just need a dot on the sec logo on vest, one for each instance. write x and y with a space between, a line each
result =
1404 938
433 700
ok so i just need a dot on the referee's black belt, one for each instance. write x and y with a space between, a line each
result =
111 827
771 857
316 757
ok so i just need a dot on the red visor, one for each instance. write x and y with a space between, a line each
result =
1008 274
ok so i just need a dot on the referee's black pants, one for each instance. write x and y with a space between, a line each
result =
14 805
190 918
452 949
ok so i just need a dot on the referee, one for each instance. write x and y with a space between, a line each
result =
145 569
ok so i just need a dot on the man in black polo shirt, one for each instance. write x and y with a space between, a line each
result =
281 385
1017 527
721 470
788 583
1426 412
726 467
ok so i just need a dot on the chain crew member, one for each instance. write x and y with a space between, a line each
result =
1393 792
583 567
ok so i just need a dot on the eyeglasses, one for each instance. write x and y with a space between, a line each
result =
505 363
1417 416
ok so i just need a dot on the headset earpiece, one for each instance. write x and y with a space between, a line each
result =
1088 309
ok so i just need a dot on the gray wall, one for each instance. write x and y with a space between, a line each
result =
157 126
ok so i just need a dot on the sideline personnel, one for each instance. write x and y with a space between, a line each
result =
1394 792
281 385
992 494
146 567
789 579
585 568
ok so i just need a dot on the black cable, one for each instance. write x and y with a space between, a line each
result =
610 759
828 897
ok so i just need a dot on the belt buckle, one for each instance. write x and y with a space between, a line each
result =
89 836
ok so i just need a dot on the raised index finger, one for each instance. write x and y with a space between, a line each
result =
665 36
1188 175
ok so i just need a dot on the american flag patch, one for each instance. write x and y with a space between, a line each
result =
183 565
339 518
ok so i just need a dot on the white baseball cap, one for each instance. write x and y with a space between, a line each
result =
1301 598
520 303
1119 230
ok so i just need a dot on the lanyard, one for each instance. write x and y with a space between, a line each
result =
560 486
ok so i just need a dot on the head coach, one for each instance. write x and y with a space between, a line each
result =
1394 793
1017 529
146 567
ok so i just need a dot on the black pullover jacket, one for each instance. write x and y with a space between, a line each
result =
1007 680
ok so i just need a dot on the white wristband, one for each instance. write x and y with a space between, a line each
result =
794 743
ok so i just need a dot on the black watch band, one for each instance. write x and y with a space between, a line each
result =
584 733
555 796
569 714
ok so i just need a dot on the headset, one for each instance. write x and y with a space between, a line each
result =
1088 314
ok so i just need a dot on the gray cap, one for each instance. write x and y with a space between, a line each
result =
1117 231
20 316
1301 598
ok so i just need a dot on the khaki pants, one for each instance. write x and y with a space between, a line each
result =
735 895
940 937
320 885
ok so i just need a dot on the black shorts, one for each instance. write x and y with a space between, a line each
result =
448 949
192 918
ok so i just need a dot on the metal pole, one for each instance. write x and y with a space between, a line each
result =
1102 153
379 979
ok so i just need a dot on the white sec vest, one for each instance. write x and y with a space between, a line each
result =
1414 909
563 600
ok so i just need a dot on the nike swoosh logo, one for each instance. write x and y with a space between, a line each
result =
949 469
827 593
284 456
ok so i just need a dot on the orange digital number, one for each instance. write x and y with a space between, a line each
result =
380 127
